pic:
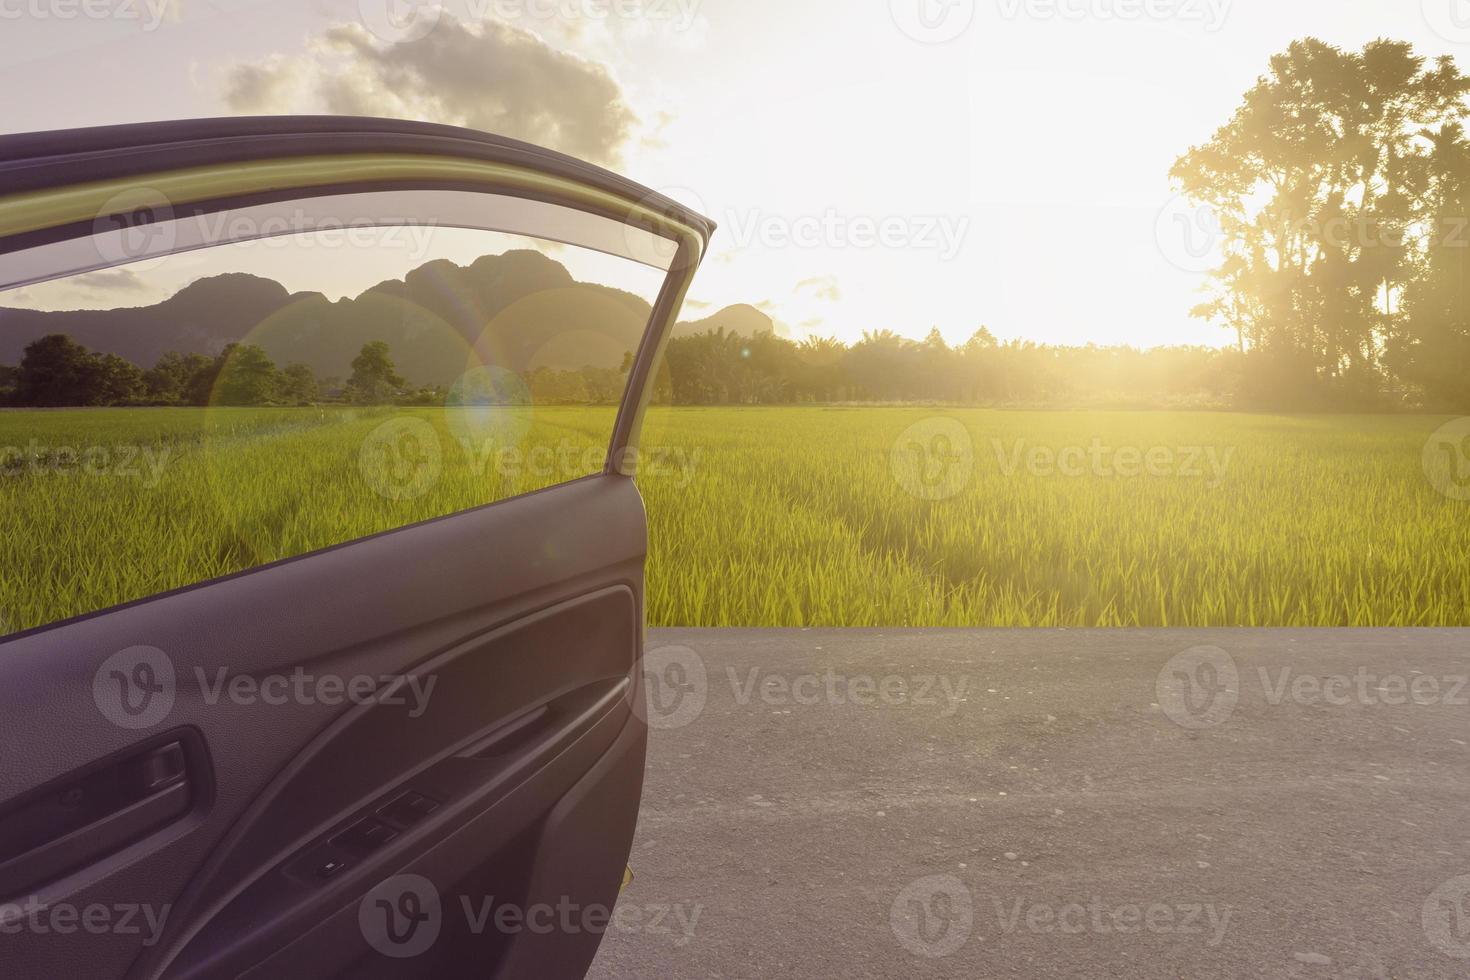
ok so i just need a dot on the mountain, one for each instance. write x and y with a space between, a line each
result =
742 319
200 318
519 310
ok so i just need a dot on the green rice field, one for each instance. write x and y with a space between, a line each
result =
781 516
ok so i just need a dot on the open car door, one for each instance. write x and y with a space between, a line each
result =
322 584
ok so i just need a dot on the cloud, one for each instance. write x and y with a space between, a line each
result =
822 287
114 281
654 139
103 289
270 86
487 76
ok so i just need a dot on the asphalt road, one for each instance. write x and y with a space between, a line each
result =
1052 804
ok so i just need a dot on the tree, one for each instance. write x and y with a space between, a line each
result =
246 376
203 380
8 378
1314 183
1432 352
937 365
489 385
298 385
116 381
374 381
56 371
883 366
977 365
174 379
817 373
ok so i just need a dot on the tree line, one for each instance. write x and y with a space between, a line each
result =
56 371
714 368
719 368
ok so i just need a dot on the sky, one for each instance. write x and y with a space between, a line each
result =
873 164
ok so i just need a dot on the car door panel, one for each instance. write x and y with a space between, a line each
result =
557 633
495 655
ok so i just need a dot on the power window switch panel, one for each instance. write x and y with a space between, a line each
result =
364 837
409 809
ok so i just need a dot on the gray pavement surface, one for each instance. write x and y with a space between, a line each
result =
1045 804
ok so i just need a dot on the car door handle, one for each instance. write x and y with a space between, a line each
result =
83 819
